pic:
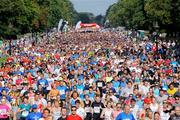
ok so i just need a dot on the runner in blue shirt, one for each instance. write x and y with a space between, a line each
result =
80 88
91 94
126 115
42 82
116 85
62 90
35 115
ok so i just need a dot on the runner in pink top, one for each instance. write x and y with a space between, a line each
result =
116 111
4 110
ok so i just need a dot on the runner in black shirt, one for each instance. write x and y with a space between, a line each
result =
97 107
87 105
64 114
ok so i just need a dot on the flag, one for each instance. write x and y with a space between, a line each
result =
60 24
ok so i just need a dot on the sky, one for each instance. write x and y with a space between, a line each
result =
96 7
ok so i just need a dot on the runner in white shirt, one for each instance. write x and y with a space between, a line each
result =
80 110
107 112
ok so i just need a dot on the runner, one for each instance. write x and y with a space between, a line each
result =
73 115
91 71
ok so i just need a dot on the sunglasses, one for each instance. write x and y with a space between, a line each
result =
73 110
164 102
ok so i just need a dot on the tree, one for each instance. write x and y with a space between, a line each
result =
175 16
86 17
23 16
129 13
159 10
99 19
11 16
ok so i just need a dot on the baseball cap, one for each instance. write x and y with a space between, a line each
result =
34 106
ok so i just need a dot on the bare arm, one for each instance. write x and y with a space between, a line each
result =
102 114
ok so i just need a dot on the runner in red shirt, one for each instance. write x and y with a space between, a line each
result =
73 115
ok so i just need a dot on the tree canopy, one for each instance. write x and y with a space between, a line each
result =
142 14
23 16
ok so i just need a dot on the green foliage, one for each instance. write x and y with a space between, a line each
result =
175 15
142 14
86 17
99 19
23 16
159 10
127 13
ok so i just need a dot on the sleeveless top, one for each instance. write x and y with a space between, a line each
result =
87 106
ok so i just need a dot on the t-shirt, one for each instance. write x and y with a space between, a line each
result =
171 92
97 107
4 109
34 116
42 82
147 100
91 96
50 81
81 112
80 89
53 93
124 116
72 117
116 85
61 118
62 91
174 117
26 109
100 84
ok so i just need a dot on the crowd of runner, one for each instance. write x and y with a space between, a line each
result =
91 76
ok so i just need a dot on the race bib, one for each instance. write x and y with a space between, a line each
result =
96 109
80 91
62 92
43 84
25 113
3 112
117 89
99 84
87 109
